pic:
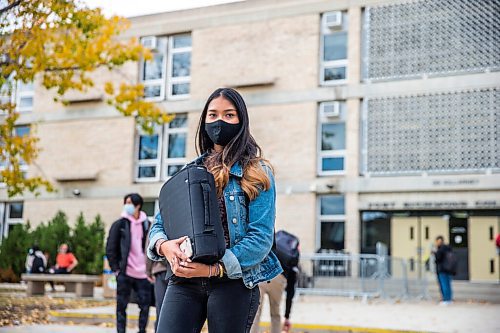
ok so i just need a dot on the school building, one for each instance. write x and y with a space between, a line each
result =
381 118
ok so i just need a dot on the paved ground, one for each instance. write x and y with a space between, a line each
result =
319 313
322 314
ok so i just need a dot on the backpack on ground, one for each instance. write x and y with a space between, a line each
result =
189 207
287 249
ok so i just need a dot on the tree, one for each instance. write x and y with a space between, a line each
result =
60 43
88 245
14 249
49 236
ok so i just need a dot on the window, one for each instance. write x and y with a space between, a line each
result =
331 138
21 94
333 48
331 222
24 96
18 131
169 70
166 149
13 215
150 207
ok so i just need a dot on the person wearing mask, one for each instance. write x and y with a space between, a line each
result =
444 269
226 293
125 252
36 262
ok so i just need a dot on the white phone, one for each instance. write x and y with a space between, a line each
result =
187 247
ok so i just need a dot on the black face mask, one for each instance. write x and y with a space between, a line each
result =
221 132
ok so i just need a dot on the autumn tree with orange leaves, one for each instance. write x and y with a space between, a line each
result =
58 44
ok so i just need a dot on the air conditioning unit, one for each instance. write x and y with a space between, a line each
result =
330 109
149 42
333 20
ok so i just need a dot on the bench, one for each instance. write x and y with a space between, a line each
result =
81 284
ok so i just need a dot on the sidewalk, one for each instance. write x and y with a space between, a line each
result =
336 314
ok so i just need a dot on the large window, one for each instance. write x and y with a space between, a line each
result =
331 222
331 138
168 73
414 39
11 213
160 155
333 48
455 132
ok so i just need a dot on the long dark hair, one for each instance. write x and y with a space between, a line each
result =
242 148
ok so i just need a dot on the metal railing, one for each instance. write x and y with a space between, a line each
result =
360 275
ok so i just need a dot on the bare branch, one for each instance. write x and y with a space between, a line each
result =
9 7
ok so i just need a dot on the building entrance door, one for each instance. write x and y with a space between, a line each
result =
459 242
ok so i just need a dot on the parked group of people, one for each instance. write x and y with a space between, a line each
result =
37 261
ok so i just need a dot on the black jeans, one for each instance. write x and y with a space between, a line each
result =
142 288
229 306
160 289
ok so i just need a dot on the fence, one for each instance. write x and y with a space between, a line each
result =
361 275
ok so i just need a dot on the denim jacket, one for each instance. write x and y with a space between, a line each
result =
251 232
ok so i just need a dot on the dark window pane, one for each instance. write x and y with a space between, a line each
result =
333 136
332 205
147 172
332 164
181 64
336 73
180 89
173 169
182 41
22 130
332 235
177 145
179 121
16 210
149 208
335 46
376 227
153 68
152 91
148 147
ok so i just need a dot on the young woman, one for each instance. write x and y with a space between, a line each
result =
225 293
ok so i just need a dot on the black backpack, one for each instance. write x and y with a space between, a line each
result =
189 207
450 262
287 249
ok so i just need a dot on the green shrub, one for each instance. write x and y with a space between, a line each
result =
86 241
88 245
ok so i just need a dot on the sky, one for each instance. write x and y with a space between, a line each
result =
129 8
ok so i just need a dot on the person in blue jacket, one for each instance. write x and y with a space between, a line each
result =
225 294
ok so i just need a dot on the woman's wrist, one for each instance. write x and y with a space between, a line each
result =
158 245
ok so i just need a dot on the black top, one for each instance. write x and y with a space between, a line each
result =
223 219
291 279
441 257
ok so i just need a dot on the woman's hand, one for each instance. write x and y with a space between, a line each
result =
170 249
189 269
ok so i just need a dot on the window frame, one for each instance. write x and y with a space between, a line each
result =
321 154
7 221
341 63
155 82
162 162
168 161
151 162
180 79
19 94
339 218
